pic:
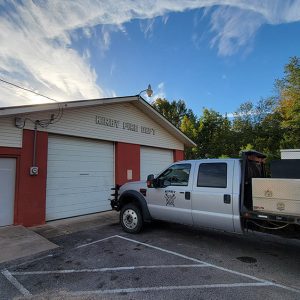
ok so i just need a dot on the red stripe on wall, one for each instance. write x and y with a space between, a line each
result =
9 152
31 202
178 155
127 157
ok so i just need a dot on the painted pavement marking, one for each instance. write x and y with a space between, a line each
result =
94 242
167 288
16 283
106 269
9 275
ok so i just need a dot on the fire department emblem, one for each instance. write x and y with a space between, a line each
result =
280 206
268 194
170 198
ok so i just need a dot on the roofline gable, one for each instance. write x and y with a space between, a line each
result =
137 100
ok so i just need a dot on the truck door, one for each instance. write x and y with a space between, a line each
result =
171 201
212 195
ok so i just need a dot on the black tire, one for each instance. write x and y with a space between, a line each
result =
131 218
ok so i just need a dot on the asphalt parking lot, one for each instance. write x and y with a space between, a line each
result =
166 261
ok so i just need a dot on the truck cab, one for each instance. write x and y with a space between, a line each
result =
202 193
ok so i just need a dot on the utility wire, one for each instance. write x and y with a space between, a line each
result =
43 123
28 90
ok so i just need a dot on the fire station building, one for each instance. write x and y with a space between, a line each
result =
60 160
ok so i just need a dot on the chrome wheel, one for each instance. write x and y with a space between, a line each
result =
130 218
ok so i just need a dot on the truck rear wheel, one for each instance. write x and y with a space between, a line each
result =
131 218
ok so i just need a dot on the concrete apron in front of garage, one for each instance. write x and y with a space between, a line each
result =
17 242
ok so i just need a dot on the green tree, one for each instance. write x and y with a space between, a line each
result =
243 125
180 116
258 125
214 135
189 128
173 111
289 103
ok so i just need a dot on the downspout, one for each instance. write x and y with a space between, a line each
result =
34 145
34 170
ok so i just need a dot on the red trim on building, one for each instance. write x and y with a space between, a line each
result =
127 157
178 155
30 206
10 152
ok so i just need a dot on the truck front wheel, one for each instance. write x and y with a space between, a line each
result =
131 218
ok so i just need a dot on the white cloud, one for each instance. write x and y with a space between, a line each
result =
234 29
147 27
165 19
38 54
112 69
106 32
159 92
105 38
234 25
229 115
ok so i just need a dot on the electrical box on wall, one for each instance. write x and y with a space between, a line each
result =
129 174
34 171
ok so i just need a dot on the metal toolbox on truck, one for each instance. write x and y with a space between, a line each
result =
276 195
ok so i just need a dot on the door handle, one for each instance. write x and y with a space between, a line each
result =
187 195
227 199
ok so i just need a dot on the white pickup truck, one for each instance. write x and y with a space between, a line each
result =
212 193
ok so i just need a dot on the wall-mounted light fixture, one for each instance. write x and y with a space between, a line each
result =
19 122
148 91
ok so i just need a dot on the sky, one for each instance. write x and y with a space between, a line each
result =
210 53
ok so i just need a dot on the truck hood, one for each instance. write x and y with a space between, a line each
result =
133 185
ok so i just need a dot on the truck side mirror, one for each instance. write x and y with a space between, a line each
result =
150 181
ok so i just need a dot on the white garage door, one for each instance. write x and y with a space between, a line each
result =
154 160
80 175
7 190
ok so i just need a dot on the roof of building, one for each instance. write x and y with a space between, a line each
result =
137 101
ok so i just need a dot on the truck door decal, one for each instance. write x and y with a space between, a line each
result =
170 198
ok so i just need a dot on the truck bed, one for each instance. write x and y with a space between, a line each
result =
276 196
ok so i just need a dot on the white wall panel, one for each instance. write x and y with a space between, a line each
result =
10 135
82 122
7 190
154 160
290 154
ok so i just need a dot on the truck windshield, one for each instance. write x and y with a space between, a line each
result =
176 175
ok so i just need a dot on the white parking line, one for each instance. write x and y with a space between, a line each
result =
167 288
30 261
94 242
16 283
211 265
106 269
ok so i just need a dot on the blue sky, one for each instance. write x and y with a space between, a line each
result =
210 53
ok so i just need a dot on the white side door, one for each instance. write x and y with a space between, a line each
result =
172 201
154 160
212 195
7 190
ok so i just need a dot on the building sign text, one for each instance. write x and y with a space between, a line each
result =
124 125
